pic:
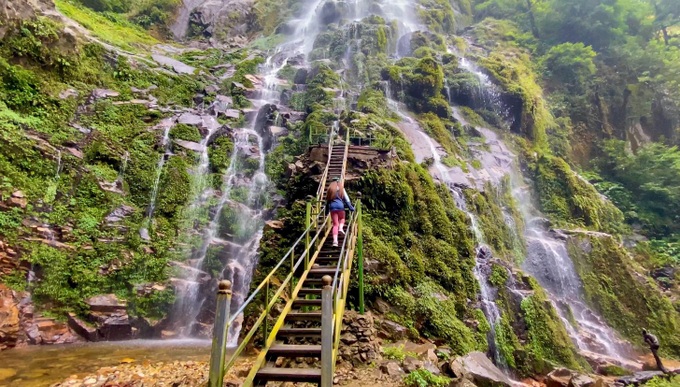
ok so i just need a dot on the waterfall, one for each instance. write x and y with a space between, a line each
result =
547 258
240 260
56 174
165 145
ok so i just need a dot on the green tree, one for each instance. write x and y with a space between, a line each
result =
666 15
571 64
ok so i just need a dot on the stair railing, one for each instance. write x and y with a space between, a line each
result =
221 328
344 156
339 285
320 192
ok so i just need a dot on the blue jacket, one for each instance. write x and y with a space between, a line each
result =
338 202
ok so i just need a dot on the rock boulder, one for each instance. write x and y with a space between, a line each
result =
9 318
476 367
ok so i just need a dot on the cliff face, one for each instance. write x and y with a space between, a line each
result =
145 180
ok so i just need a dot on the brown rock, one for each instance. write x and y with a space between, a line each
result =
18 202
391 368
116 327
83 329
477 367
580 380
274 224
106 303
559 378
9 319
393 331
411 364
167 334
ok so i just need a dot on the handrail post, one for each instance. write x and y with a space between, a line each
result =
220 333
265 323
360 255
308 222
326 332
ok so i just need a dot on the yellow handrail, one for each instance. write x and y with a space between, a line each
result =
262 357
341 282
322 183
281 288
344 157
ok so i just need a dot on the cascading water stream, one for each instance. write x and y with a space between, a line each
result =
56 175
165 145
442 173
547 257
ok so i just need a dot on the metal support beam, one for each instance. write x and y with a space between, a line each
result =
220 333
326 332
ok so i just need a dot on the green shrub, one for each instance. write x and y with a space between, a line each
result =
425 378
396 352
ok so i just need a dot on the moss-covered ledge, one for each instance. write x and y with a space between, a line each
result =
627 299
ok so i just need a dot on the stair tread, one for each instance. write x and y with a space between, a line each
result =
323 270
302 301
313 350
310 291
312 375
311 316
299 331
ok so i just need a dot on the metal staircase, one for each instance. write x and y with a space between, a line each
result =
313 294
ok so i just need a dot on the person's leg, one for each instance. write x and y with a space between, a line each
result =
341 220
335 218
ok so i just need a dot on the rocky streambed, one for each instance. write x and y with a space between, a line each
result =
39 366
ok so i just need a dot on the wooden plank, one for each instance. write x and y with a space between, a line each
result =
305 291
300 332
286 350
303 302
303 316
302 375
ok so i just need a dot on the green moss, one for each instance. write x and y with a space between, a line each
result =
507 341
119 32
438 15
185 132
499 275
627 300
548 340
569 199
488 205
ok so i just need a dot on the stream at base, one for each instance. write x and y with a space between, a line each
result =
40 366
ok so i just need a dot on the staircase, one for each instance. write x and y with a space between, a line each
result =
299 338
320 271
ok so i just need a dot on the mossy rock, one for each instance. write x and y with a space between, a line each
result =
628 300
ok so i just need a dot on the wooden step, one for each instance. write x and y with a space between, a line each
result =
303 316
300 375
299 332
327 260
288 350
322 271
302 302
305 291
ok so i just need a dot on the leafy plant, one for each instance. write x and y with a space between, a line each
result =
425 378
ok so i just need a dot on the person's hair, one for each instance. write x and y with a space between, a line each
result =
334 187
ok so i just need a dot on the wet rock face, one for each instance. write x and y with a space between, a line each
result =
213 17
9 319
106 320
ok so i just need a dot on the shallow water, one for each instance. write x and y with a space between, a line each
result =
39 366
